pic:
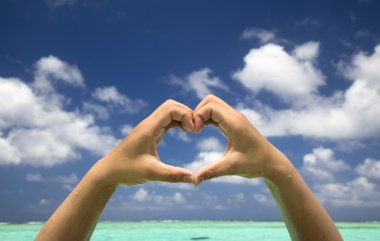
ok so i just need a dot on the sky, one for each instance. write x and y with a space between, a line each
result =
77 75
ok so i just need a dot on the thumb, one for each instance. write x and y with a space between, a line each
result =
168 173
213 170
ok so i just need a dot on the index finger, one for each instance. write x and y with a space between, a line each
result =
212 111
211 98
169 112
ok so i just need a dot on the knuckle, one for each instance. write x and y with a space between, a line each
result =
210 105
187 115
169 102
211 97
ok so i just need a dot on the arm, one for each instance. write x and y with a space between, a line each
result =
249 154
134 161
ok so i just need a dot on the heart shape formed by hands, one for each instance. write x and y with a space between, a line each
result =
136 159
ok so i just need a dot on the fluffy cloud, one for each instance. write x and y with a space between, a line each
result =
179 135
101 112
370 168
263 199
307 51
35 127
201 82
205 158
321 164
67 182
140 195
365 66
143 195
178 198
356 193
293 78
264 36
49 69
340 116
210 144
111 96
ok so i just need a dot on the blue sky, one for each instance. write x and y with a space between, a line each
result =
76 76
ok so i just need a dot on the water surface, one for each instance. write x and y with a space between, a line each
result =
193 230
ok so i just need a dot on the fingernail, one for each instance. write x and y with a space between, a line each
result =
196 124
197 183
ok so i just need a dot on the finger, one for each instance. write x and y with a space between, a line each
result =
188 124
173 124
175 113
211 98
213 170
212 111
171 102
167 173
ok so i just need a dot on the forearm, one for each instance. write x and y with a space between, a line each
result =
77 216
304 216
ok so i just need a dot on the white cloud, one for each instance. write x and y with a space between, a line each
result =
126 129
179 135
201 82
34 177
9 154
178 198
365 67
184 186
237 180
262 199
111 96
264 36
49 69
370 168
210 144
272 69
307 51
66 182
321 164
356 193
99 111
36 128
205 158
143 195
340 116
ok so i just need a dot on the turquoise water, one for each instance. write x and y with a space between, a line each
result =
192 230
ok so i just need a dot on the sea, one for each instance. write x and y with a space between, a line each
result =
193 230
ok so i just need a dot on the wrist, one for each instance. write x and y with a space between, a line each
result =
101 173
277 166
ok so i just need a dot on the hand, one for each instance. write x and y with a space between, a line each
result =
135 160
248 153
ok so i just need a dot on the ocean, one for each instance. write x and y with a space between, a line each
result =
193 230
